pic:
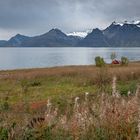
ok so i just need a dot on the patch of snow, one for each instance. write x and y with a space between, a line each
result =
118 23
136 22
80 34
127 22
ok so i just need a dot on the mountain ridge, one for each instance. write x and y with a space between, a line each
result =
118 34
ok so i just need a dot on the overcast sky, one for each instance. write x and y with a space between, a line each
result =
34 17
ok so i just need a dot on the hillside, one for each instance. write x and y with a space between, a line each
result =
125 34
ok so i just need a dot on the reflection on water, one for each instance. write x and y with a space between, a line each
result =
17 58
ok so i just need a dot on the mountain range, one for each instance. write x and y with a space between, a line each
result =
124 34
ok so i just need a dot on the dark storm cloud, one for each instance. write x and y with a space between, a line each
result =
38 16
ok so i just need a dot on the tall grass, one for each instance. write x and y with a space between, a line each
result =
110 111
87 117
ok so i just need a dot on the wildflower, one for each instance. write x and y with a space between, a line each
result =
86 93
86 96
76 99
49 103
128 93
76 105
114 90
139 124
63 120
114 85
138 91
55 112
47 113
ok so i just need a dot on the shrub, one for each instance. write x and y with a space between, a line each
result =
99 61
124 60
24 85
5 105
124 89
133 87
35 83
3 134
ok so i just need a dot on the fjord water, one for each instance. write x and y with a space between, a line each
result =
20 58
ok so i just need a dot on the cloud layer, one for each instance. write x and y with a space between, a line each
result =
32 17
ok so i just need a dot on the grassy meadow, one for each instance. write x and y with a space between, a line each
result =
71 103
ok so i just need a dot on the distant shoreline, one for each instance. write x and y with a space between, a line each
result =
56 70
55 67
75 47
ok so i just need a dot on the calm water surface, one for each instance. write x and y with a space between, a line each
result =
18 58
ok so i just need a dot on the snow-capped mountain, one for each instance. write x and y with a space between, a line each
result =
118 34
81 34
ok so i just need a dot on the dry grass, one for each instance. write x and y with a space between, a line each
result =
121 71
99 114
89 117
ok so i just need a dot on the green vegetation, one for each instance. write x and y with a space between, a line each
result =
124 60
68 103
127 88
99 61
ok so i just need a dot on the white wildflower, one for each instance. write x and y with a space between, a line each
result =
138 91
86 96
129 92
76 105
115 93
139 124
114 85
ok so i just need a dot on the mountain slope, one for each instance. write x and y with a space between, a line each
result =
94 39
53 38
2 43
124 35
16 41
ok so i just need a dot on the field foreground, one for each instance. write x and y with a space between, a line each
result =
71 103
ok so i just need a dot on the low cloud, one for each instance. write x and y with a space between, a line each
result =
32 17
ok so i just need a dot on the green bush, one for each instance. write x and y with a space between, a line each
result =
124 60
3 134
133 87
4 106
124 88
35 83
99 61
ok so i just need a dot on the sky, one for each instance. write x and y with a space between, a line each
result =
35 17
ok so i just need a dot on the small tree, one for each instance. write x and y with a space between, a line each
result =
124 60
99 61
113 56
